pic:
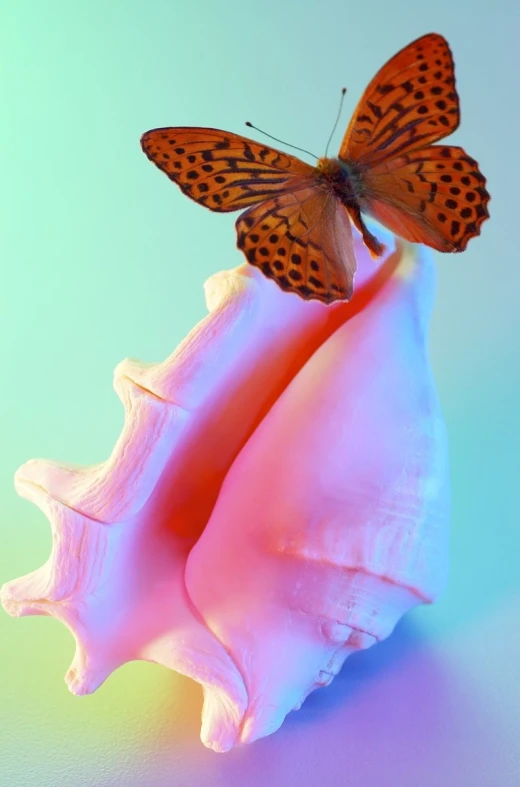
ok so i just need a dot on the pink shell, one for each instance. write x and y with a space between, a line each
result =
278 498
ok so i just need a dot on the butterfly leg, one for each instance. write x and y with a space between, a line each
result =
375 248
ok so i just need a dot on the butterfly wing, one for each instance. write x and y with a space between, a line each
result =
425 193
296 232
222 171
410 103
435 196
303 240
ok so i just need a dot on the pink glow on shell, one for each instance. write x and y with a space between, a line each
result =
277 499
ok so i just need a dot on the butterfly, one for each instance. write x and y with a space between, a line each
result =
297 224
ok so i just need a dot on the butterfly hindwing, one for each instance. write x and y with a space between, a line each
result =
222 171
435 196
303 240
410 103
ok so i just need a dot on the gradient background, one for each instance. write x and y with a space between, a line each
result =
102 258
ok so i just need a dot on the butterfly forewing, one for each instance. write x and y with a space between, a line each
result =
303 240
410 103
222 171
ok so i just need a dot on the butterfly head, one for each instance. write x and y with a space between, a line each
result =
327 166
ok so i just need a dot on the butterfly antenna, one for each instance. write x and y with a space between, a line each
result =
280 140
343 91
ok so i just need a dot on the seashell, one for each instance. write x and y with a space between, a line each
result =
277 499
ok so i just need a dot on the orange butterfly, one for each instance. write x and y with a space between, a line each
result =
296 228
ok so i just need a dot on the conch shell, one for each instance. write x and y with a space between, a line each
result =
277 499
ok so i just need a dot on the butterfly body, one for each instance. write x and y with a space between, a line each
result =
341 178
297 222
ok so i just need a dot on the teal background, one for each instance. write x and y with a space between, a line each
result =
102 257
